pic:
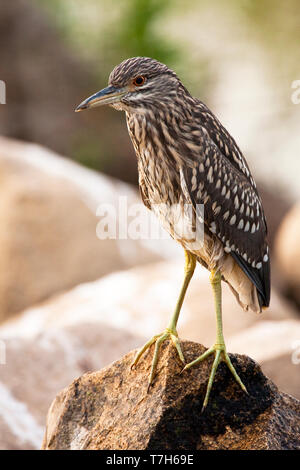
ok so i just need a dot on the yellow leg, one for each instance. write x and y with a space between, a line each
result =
170 331
219 348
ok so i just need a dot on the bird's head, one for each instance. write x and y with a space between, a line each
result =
136 85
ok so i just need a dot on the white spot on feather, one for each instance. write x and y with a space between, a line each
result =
241 224
213 227
233 219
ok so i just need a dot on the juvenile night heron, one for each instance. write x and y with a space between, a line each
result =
187 158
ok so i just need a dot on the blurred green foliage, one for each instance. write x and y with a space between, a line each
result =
276 25
102 33
108 32
135 33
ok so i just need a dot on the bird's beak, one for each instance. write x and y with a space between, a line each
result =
108 95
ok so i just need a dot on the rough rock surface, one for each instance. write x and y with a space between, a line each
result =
111 409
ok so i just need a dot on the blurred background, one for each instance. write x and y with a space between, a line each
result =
70 302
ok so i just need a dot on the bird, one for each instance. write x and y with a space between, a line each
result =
195 179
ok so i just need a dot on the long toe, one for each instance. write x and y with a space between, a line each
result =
158 340
220 354
233 371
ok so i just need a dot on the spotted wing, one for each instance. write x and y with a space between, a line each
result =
232 212
223 140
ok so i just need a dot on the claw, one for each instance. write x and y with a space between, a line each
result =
158 340
176 343
220 355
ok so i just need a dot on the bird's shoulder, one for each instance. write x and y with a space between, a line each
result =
206 121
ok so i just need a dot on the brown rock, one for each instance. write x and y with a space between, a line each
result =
287 250
111 409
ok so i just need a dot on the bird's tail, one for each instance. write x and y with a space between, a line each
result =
240 284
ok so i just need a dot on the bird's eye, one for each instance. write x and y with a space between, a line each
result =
139 81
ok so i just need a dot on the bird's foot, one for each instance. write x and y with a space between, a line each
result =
219 350
158 340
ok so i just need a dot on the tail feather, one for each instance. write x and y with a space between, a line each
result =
259 277
243 288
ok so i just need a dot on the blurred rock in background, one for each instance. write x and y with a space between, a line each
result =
287 251
141 300
48 226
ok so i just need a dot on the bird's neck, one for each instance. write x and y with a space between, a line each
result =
157 156
157 131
